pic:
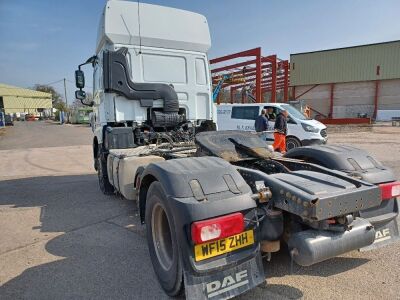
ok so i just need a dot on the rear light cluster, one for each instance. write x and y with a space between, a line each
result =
390 190
217 228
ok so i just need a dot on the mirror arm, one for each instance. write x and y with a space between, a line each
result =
91 60
87 104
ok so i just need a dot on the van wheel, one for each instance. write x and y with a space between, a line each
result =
104 184
292 142
162 241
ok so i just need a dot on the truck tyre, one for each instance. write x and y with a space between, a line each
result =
105 185
292 142
162 242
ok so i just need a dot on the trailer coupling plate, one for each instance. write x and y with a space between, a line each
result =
227 283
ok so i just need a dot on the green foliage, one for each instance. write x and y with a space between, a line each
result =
56 97
60 106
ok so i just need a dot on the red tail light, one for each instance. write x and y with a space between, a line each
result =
217 228
390 190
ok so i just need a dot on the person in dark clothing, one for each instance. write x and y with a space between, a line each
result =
280 131
270 113
261 123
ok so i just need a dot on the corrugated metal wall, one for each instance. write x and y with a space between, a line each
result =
346 64
317 98
353 98
13 104
350 99
389 94
16 99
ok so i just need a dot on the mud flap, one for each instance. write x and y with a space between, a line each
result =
227 283
385 234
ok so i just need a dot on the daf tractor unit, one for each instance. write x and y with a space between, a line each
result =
215 202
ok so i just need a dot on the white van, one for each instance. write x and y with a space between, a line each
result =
301 130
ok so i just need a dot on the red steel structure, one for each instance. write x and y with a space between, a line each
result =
257 75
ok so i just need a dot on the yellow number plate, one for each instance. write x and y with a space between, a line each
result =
229 244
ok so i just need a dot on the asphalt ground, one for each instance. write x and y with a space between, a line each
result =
61 238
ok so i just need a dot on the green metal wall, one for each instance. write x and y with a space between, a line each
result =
346 64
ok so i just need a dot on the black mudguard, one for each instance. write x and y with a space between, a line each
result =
360 164
201 188
353 161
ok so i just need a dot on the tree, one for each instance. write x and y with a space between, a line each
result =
60 106
56 97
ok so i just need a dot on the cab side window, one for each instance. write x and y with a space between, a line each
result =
272 112
245 112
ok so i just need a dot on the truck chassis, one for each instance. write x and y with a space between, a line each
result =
298 200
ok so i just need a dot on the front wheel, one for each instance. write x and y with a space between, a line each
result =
292 142
162 241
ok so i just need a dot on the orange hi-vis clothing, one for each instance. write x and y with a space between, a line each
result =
279 142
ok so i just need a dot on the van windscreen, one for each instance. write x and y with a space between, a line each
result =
294 112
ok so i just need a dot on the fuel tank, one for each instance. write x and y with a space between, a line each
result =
313 246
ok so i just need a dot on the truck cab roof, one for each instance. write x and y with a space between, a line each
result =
133 23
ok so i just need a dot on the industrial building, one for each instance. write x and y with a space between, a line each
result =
19 100
349 82
341 85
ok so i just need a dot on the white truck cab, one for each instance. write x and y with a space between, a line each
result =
302 131
150 70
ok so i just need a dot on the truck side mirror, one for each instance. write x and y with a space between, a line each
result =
80 95
79 79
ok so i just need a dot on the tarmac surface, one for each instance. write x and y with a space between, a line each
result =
61 238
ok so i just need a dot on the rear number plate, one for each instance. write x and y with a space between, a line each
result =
229 244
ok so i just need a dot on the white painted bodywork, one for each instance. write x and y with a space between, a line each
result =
227 122
160 27
171 48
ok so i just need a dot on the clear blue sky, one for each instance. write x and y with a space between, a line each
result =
43 41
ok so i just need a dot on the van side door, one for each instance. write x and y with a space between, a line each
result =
244 117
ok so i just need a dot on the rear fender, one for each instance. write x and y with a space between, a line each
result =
353 161
201 188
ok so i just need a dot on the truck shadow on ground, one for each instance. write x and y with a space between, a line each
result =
103 251
281 265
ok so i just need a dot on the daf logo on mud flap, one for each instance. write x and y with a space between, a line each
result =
217 287
382 235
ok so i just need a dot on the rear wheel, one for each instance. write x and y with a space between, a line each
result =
162 241
104 184
292 142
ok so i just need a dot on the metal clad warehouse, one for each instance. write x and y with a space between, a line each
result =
346 82
14 99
